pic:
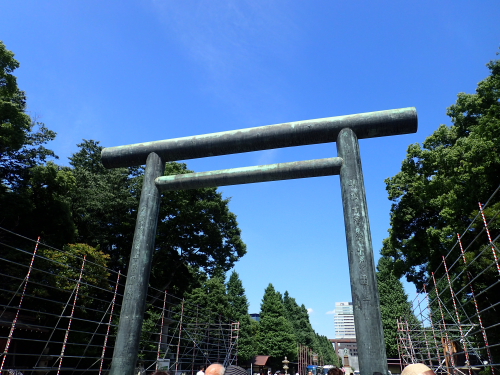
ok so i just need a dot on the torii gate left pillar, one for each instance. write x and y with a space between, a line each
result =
136 286
345 130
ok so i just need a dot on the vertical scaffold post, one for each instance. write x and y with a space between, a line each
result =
113 301
424 330
478 313
438 353
160 338
136 287
365 297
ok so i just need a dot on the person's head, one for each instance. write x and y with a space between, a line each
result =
202 368
417 369
335 371
215 369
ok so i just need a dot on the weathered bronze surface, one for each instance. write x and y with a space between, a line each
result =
248 175
364 290
136 287
365 125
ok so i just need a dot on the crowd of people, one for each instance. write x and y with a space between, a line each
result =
213 369
218 369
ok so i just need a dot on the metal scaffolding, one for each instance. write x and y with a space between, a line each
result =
456 328
58 317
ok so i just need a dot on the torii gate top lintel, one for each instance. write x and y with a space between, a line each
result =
324 130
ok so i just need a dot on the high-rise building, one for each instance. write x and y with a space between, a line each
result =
344 321
345 333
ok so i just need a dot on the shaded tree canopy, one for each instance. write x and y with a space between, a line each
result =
196 230
283 326
327 351
105 204
236 295
442 181
197 233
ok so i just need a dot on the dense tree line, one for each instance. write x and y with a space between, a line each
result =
283 325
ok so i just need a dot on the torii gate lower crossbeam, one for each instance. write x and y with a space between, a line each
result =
345 130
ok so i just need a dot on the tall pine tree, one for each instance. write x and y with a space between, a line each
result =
276 336
211 295
239 304
394 305
299 317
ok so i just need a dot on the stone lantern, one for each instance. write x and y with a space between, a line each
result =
285 365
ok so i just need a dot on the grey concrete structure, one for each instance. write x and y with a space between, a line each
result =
136 287
248 175
345 130
324 130
365 297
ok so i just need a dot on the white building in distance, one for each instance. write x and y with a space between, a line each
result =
344 321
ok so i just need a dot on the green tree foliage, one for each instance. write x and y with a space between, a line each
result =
436 195
41 207
274 331
55 290
442 181
394 305
236 295
239 304
211 295
275 336
210 307
65 267
196 231
326 351
47 197
105 204
25 186
58 275
21 147
305 334
299 318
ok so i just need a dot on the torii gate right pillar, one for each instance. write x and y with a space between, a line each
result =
365 297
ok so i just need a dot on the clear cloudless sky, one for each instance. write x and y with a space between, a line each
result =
125 72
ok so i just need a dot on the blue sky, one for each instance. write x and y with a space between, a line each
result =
124 72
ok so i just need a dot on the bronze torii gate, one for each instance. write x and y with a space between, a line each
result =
345 130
